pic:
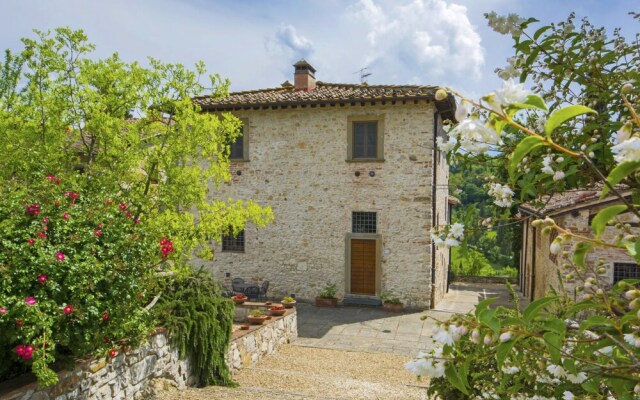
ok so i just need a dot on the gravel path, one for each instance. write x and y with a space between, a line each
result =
297 373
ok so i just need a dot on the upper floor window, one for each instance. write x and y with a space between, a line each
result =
239 150
233 244
365 138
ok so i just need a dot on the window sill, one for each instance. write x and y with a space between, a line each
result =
238 160
364 160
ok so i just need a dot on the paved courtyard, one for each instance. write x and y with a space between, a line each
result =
371 329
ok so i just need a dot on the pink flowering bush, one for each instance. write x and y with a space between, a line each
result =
75 275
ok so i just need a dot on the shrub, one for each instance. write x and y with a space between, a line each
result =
329 291
76 272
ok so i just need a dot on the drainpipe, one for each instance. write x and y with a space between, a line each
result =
533 264
433 209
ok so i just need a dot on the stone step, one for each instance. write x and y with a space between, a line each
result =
358 300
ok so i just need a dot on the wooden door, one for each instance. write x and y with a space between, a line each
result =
363 266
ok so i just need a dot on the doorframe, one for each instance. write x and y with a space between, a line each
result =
347 259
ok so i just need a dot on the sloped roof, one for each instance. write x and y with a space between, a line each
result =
325 94
570 199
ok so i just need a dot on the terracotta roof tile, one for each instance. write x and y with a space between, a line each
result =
569 199
323 93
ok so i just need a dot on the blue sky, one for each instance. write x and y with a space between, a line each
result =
255 42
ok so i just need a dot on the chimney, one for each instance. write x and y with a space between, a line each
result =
304 76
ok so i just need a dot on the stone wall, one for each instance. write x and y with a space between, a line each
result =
132 375
297 165
547 265
127 376
249 347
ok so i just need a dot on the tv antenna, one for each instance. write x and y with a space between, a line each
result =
363 74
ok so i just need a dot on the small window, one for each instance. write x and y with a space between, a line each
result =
625 271
237 149
233 244
365 136
363 222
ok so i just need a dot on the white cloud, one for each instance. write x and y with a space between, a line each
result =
298 45
434 37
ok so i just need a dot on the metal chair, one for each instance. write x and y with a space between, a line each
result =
263 290
252 292
236 285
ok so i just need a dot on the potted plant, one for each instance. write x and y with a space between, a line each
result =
288 302
277 310
239 298
256 317
390 303
327 297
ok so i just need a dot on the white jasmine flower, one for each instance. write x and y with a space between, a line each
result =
632 339
451 242
511 93
567 395
474 135
629 150
558 175
457 230
437 240
445 336
446 146
607 351
457 192
510 370
625 132
502 193
578 379
428 364
556 370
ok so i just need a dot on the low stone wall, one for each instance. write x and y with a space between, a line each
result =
127 376
130 375
484 279
250 346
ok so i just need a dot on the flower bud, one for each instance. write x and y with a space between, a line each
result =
626 88
601 271
441 94
635 304
505 337
537 223
632 294
475 336
587 296
461 112
555 247
487 340
599 292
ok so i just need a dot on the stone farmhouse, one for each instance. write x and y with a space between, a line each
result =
356 184
573 210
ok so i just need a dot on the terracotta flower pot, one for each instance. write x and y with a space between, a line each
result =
393 307
324 302
238 301
257 319
288 304
244 327
277 313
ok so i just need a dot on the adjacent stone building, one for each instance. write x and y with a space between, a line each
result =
572 210
356 184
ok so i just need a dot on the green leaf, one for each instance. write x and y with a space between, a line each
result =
553 341
580 253
540 31
454 378
620 172
488 318
503 350
522 149
564 114
484 304
535 307
533 101
585 305
595 320
556 326
599 223
592 385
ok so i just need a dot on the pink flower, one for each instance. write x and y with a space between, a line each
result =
33 209
42 278
31 241
68 309
20 350
60 256
98 232
41 235
31 301
65 215
123 206
53 179
99 226
45 220
19 323
128 214
105 316
28 353
137 221
3 310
